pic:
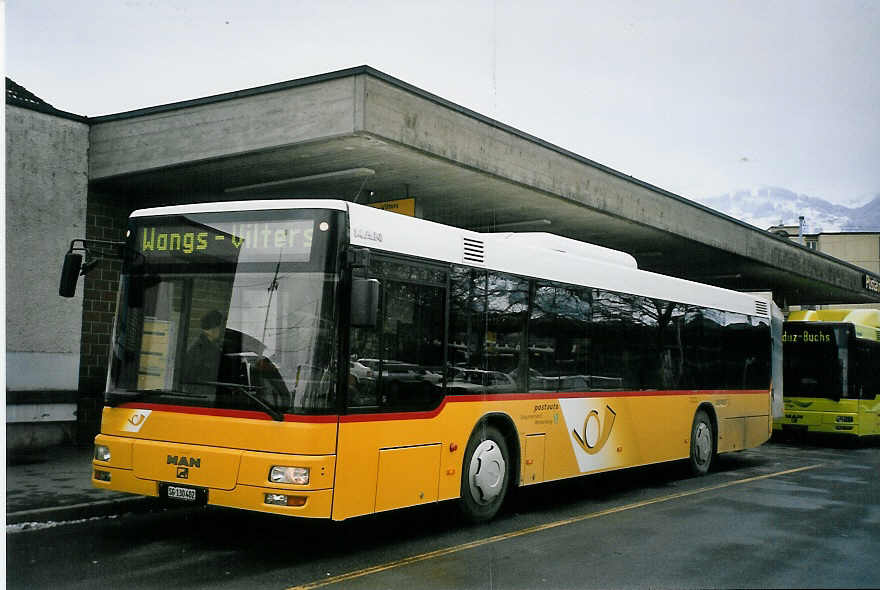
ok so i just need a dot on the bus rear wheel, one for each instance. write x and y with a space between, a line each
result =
702 443
485 474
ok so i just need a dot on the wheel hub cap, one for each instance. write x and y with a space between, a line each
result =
702 443
486 472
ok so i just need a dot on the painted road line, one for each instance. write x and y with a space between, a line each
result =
534 529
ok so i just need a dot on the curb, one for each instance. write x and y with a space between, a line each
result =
86 510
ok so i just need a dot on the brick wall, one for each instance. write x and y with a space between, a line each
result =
105 220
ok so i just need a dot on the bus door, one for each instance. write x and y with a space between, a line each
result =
389 450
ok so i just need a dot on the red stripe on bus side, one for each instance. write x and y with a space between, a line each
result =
492 397
378 417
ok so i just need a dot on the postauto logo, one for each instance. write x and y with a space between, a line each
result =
595 433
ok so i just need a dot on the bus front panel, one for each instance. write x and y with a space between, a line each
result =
224 372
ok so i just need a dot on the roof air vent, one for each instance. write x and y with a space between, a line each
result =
474 251
762 308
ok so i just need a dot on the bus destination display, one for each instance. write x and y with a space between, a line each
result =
814 335
261 241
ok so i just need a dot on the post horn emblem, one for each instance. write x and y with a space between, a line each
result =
595 435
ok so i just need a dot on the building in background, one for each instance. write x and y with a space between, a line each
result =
859 248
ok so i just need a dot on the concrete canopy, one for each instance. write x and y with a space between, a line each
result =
361 134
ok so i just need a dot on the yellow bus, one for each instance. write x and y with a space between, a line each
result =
831 373
324 359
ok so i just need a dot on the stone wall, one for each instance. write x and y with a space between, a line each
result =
46 192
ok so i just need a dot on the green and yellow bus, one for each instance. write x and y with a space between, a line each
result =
831 374
324 359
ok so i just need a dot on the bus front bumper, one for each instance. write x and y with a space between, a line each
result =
199 474
310 503
820 422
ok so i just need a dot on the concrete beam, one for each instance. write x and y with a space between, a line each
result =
415 120
222 127
361 117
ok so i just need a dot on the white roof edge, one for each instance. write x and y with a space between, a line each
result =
557 243
257 205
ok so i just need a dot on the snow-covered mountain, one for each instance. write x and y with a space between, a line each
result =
767 206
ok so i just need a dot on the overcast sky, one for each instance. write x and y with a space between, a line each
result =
697 97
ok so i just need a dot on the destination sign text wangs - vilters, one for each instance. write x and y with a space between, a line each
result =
291 239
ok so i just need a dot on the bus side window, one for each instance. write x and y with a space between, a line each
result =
411 377
467 330
506 319
398 365
559 338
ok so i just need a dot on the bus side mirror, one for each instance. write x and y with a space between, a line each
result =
70 274
364 303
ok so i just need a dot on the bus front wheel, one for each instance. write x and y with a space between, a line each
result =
702 443
485 474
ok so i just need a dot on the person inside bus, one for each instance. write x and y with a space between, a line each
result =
203 357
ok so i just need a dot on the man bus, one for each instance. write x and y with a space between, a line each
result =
499 360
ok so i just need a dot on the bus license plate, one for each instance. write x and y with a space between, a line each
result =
183 494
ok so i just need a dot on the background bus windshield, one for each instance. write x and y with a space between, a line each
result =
230 311
816 360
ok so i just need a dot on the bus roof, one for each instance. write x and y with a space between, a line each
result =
532 254
539 255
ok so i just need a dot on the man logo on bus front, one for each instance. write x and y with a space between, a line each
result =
595 435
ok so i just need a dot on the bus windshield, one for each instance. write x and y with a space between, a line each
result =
234 311
816 360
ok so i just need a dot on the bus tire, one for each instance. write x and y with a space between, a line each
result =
485 474
702 443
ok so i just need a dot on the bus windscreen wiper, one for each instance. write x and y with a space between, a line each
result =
274 413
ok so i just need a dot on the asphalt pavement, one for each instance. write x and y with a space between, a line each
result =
780 516
55 485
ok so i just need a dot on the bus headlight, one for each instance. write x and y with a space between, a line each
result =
296 475
102 453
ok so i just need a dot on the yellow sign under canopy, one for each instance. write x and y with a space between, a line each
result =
402 206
